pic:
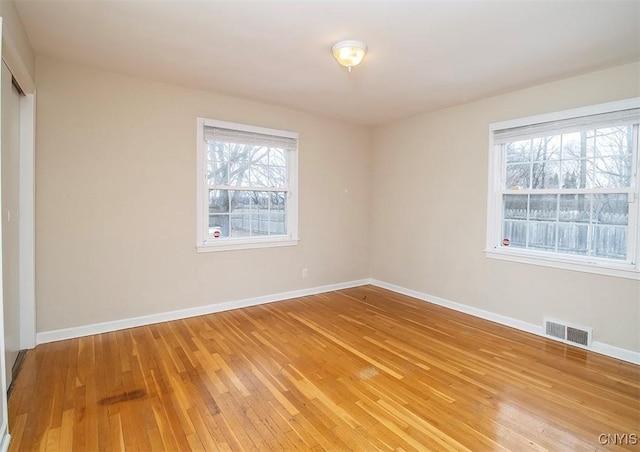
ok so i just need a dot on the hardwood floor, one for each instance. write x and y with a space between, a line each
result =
359 369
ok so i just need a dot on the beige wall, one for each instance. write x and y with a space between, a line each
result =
116 209
15 37
116 205
429 198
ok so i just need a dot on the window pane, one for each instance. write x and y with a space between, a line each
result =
543 207
518 151
545 148
217 166
610 241
277 176
573 238
217 151
518 176
259 176
546 174
515 206
218 226
577 173
611 218
542 236
613 141
240 225
239 173
277 157
218 201
217 173
240 153
260 155
575 208
613 172
277 214
259 213
576 146
245 164
611 209
239 201
239 218
515 232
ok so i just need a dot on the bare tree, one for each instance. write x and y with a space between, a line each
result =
242 173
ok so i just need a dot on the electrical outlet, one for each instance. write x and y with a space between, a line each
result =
305 272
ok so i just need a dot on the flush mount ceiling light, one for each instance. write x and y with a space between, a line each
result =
349 53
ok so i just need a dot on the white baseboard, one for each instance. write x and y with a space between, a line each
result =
615 352
105 327
5 438
598 347
115 325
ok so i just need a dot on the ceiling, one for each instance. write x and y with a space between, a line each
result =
423 55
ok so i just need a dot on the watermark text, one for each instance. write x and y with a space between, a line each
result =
618 439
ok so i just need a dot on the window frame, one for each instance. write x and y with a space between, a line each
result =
590 264
203 243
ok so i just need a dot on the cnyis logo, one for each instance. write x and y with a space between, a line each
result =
618 439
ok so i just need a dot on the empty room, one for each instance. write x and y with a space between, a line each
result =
320 225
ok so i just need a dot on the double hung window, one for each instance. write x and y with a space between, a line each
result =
247 186
563 189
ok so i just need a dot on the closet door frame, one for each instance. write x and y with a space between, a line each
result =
11 56
14 62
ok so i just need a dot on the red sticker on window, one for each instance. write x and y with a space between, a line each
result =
506 242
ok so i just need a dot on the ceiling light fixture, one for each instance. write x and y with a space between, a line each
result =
349 53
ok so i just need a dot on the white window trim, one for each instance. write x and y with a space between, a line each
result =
606 267
203 245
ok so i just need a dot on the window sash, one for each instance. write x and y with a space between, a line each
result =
565 228
593 167
252 219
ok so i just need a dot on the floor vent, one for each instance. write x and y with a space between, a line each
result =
572 334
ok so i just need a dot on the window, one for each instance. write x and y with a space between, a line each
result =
247 186
563 189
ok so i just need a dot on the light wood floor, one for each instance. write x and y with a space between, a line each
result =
359 369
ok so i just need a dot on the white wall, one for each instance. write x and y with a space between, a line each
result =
116 209
429 198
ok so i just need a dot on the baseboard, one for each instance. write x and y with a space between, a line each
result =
5 438
615 352
106 327
597 347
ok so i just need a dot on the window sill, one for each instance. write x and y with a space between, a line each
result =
244 244
619 270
